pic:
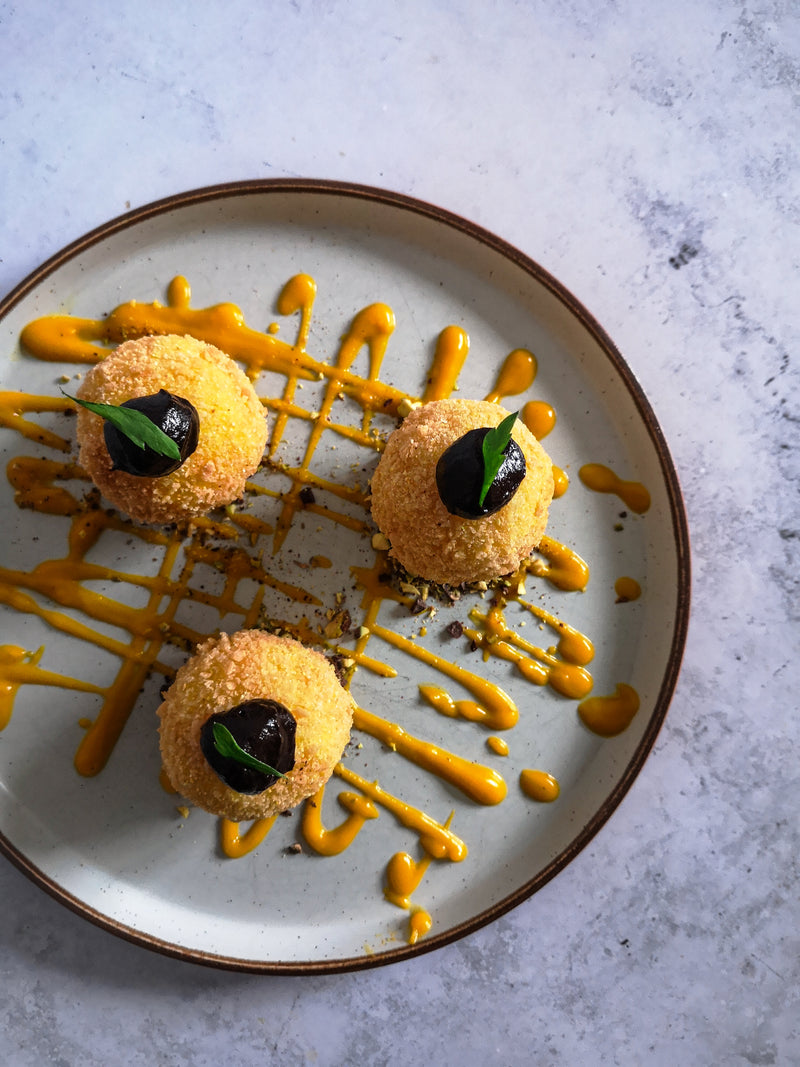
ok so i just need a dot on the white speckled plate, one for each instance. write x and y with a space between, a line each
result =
113 847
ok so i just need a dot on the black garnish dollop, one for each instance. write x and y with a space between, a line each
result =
265 729
459 476
175 416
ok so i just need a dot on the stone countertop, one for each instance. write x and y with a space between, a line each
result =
647 156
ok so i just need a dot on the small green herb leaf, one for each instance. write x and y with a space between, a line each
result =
227 745
135 425
494 444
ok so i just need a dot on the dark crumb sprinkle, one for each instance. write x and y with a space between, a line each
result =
623 514
307 495
618 526
455 629
287 814
418 606
337 662
294 849
473 646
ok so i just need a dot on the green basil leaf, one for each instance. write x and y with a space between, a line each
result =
135 425
494 445
227 745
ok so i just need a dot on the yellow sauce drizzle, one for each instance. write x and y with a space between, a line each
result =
236 844
567 675
491 702
539 785
12 406
49 486
403 877
627 589
18 667
501 718
603 480
610 715
479 783
436 839
332 842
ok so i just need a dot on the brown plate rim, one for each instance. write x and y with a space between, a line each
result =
317 187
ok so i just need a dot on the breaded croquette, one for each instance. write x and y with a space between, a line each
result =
428 540
232 427
252 665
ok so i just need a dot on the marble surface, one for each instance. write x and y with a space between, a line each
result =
646 155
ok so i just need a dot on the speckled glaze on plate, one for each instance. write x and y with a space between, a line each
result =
112 847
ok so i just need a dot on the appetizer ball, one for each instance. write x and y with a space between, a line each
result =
221 424
283 705
435 456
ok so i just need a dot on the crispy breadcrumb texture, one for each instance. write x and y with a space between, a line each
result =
233 427
229 670
425 538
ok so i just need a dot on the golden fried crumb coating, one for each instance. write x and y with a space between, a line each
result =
227 671
425 538
233 426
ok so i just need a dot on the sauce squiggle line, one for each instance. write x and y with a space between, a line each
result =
55 590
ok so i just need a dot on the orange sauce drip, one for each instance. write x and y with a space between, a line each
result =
164 781
610 715
419 924
539 785
539 417
497 745
516 375
452 349
564 567
627 589
603 480
235 843
403 876
331 842
560 482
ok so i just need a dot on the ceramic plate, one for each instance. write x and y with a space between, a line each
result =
116 847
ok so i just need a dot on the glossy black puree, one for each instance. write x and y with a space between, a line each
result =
459 476
175 416
265 729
